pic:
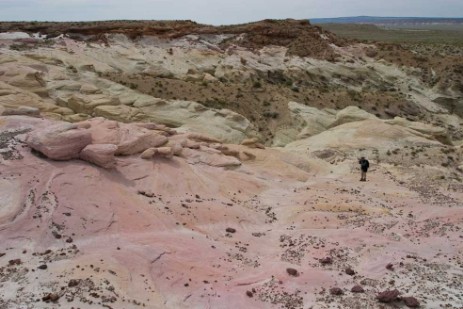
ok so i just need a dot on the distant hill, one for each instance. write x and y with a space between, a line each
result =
387 20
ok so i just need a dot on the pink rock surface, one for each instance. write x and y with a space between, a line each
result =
152 233
100 154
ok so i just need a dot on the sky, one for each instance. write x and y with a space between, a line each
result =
219 12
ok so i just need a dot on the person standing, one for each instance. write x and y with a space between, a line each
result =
364 165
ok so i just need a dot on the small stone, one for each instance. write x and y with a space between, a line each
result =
69 240
165 152
148 153
249 294
230 230
390 266
388 296
56 235
357 289
43 266
350 271
336 291
15 262
292 272
411 302
326 261
73 283
51 297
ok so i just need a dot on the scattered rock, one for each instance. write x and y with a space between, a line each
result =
73 282
388 296
357 289
51 297
336 291
326 261
15 262
350 271
390 266
56 234
411 302
230 230
43 266
292 272
249 294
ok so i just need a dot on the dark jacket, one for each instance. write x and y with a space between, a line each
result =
364 164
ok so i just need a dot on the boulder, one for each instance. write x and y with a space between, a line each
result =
100 154
388 296
357 289
411 302
63 141
165 152
133 141
148 153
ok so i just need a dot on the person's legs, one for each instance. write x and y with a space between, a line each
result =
364 176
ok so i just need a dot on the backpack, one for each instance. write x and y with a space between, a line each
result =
365 164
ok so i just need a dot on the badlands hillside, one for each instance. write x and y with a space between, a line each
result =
178 165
